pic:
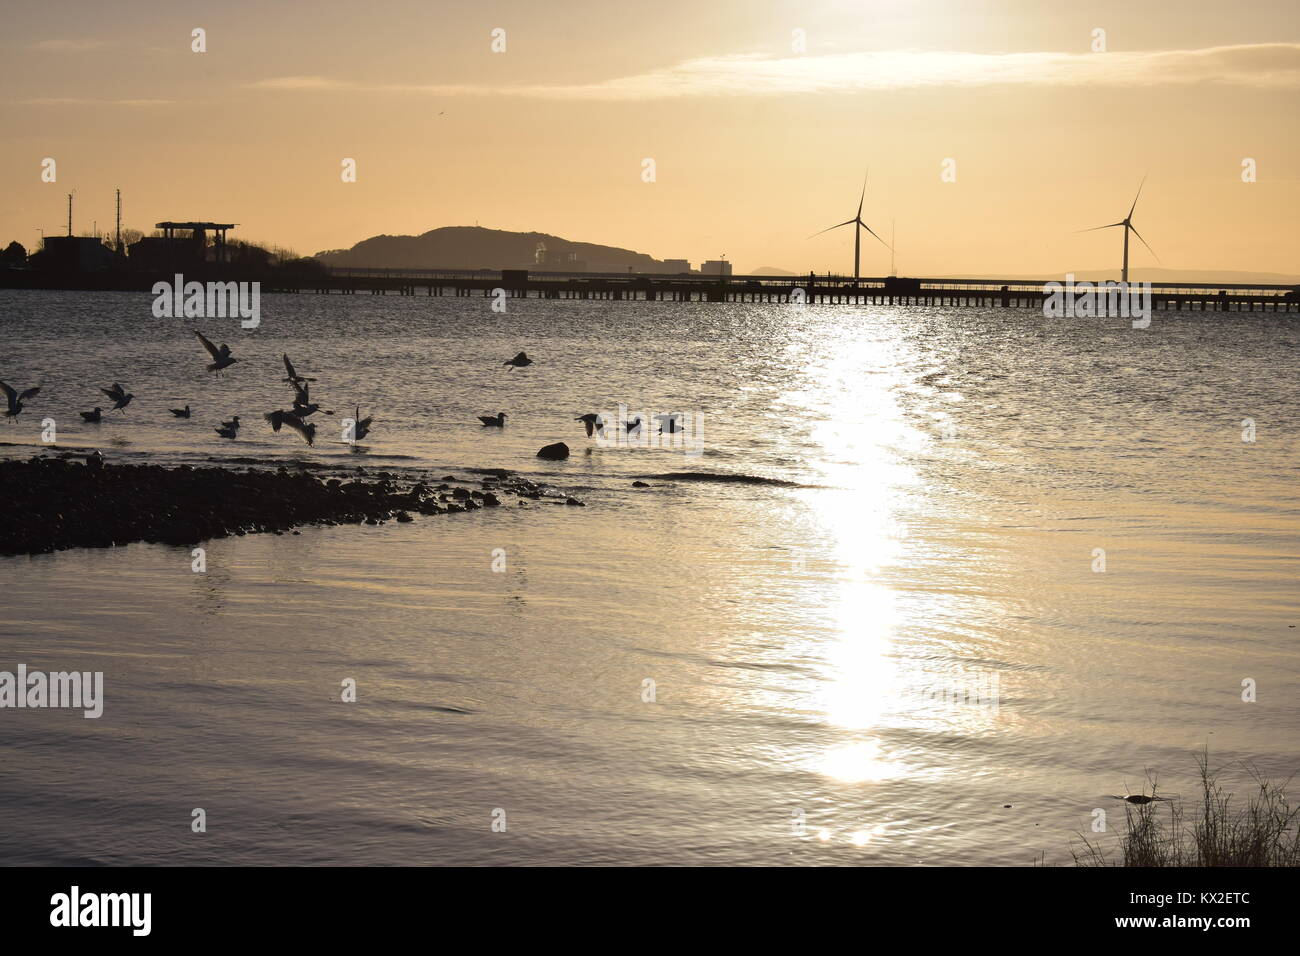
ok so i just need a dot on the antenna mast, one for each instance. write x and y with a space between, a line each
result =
118 236
892 270
69 215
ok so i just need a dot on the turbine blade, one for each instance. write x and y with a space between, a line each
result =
863 197
882 241
1135 198
836 226
1143 241
1095 228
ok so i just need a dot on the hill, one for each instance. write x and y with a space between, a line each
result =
474 247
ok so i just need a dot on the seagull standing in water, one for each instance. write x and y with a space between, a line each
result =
1141 798
289 419
120 396
93 416
221 357
593 422
493 421
16 399
228 431
233 424
519 361
361 426
670 423
180 412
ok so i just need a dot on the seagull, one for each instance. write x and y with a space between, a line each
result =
180 412
227 431
278 418
294 378
669 423
221 357
1141 798
593 422
16 399
120 396
634 425
361 426
302 403
233 424
91 416
519 361
494 421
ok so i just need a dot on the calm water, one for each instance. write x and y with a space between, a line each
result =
815 648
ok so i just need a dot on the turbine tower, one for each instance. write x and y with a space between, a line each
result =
1127 223
857 235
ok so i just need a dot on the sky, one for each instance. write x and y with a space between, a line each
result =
990 131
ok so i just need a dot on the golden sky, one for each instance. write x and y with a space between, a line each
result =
760 135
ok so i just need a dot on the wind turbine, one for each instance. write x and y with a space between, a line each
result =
857 236
1127 223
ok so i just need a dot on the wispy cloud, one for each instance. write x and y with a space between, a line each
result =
323 83
1264 65
303 83
78 101
68 46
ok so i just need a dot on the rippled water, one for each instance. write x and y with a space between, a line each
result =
816 648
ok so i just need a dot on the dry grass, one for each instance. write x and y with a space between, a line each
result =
1265 831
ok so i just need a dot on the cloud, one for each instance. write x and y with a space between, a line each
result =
323 83
1263 66
68 46
302 83
77 101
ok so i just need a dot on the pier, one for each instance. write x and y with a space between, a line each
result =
809 290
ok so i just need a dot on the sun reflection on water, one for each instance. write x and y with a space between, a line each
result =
859 763
863 432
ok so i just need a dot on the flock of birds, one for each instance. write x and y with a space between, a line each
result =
669 424
296 417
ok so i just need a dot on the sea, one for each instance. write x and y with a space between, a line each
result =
917 586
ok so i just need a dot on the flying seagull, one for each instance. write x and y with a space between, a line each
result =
302 403
294 378
519 361
221 357
593 422
92 416
494 421
16 399
120 396
180 412
290 420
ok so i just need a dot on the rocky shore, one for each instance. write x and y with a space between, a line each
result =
58 503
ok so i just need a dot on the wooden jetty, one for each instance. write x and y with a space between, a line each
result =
810 290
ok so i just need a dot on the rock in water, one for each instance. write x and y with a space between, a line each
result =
557 452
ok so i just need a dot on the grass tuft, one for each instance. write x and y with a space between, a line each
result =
1265 831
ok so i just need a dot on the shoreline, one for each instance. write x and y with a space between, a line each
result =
59 503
